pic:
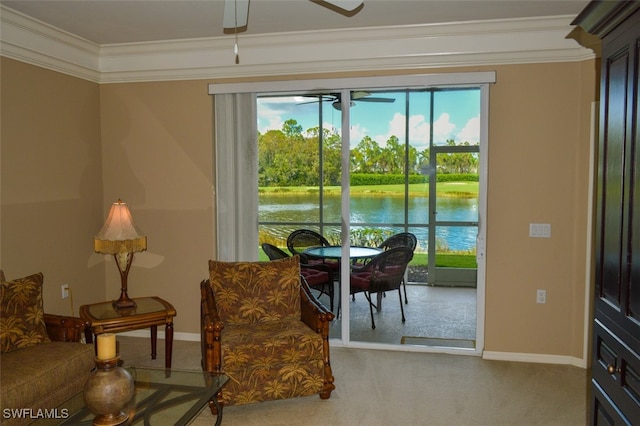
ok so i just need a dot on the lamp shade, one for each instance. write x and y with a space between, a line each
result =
119 233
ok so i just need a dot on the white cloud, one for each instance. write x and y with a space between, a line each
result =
272 123
397 127
471 131
443 129
419 131
272 110
272 118
357 134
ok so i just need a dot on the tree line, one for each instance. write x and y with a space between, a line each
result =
290 157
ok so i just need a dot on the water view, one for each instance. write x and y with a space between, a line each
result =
385 213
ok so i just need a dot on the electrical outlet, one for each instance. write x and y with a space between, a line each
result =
541 296
65 290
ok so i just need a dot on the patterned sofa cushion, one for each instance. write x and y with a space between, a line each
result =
22 313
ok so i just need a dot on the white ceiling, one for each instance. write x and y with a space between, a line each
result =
132 21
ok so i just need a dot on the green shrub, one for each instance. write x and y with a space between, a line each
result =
366 179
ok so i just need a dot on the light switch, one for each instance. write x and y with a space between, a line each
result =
540 230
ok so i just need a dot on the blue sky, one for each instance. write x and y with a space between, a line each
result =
456 116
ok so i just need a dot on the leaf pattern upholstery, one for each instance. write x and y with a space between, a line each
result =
267 351
250 292
22 314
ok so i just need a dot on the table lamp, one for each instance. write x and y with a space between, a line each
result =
120 237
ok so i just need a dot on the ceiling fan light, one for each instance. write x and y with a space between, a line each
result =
338 104
359 94
345 4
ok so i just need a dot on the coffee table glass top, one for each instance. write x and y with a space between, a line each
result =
162 397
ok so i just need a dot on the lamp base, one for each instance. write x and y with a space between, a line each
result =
124 303
123 260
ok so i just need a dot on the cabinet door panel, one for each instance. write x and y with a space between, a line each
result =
633 291
617 278
616 369
612 180
604 411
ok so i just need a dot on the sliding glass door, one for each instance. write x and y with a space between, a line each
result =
413 167
360 165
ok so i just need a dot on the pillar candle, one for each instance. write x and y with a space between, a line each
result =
106 346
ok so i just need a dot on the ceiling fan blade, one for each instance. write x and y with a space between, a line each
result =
344 7
236 16
312 102
370 99
319 98
356 96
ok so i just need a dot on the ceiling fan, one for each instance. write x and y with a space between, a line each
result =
356 96
236 12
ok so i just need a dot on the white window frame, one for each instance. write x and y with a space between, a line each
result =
345 85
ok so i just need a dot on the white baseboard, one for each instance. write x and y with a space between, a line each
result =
189 337
535 358
488 355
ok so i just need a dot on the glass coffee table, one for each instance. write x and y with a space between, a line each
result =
162 397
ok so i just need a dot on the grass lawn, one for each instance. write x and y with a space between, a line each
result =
443 260
443 189
447 260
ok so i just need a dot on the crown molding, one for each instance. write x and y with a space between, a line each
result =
29 40
515 41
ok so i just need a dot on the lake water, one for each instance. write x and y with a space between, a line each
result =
378 211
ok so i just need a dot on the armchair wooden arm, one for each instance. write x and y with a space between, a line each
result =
211 328
314 313
64 329
316 316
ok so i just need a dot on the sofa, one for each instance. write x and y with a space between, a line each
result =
42 361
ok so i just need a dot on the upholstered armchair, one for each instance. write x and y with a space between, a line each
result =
262 327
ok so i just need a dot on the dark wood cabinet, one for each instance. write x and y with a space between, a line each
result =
615 396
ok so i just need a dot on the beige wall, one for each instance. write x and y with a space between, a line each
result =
157 156
51 180
538 173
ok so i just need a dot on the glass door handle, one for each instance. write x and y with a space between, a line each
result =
479 249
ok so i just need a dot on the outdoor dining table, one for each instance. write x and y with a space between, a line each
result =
335 253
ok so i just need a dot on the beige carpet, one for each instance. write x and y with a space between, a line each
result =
376 387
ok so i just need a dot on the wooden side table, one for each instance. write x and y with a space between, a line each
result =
150 312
